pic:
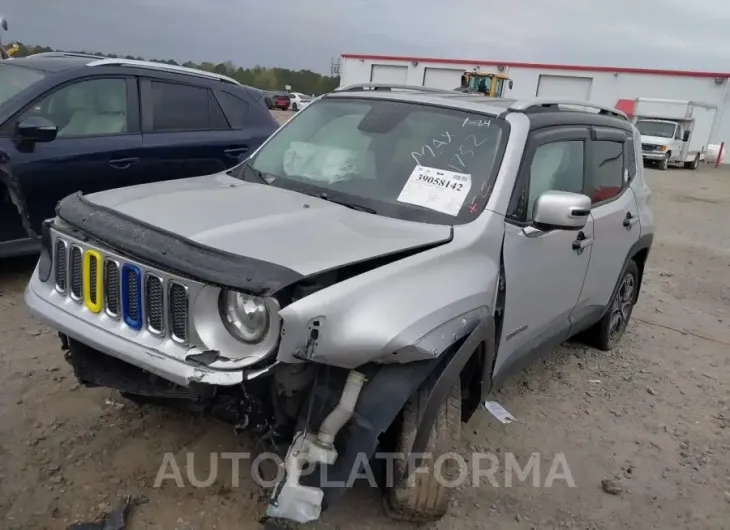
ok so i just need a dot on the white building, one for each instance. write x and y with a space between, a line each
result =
600 84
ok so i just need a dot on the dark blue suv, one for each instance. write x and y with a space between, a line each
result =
71 122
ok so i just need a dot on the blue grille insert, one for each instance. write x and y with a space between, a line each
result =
132 296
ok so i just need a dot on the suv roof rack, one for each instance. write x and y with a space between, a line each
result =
559 104
99 60
66 54
161 66
391 86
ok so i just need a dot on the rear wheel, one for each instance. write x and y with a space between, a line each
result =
294 107
694 164
608 331
425 496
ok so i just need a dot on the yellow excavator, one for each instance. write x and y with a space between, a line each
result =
487 84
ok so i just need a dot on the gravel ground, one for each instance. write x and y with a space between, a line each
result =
652 419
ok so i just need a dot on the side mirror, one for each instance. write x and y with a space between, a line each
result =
685 138
510 84
562 210
4 23
36 129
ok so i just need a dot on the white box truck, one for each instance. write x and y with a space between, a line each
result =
673 131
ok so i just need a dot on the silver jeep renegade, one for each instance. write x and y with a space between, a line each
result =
362 281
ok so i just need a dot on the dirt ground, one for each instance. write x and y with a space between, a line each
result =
653 416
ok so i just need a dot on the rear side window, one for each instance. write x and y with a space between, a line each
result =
607 175
234 107
184 108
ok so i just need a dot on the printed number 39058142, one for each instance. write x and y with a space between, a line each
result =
441 182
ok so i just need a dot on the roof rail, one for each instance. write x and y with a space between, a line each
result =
161 66
390 86
66 54
548 103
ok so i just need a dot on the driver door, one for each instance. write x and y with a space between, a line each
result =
544 271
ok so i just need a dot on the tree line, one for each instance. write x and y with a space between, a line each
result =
304 81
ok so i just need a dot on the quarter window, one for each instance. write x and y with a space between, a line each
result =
96 107
234 108
555 166
607 176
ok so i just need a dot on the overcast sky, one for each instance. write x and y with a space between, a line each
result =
309 33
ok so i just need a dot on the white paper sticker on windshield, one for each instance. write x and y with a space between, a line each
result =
436 189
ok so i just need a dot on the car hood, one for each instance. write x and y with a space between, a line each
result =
656 140
303 233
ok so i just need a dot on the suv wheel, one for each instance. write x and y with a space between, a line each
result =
423 497
606 332
294 107
694 164
664 164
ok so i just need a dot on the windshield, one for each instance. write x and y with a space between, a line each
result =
14 79
404 160
656 128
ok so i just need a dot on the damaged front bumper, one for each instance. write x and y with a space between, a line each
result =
44 306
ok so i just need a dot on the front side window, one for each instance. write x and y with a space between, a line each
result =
95 107
607 173
403 160
556 166
662 129
15 79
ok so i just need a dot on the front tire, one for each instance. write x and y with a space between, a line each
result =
422 497
664 164
606 333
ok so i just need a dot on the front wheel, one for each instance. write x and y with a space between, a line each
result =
294 107
606 332
424 496
664 164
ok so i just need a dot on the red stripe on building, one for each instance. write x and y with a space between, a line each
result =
573 67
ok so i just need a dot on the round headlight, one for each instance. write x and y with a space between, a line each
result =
245 317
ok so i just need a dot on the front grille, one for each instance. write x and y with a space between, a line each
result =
179 312
111 288
93 278
154 305
137 296
76 267
61 271
648 147
132 296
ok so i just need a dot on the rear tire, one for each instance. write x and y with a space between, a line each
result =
694 164
424 499
294 107
606 333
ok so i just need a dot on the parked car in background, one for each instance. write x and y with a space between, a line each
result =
277 100
299 100
71 122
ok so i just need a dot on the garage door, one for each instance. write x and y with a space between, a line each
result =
382 73
446 78
564 87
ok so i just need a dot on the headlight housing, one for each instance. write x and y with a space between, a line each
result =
245 317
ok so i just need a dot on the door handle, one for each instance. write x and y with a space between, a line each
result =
123 163
235 152
581 243
630 220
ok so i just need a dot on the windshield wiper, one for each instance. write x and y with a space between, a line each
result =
347 204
